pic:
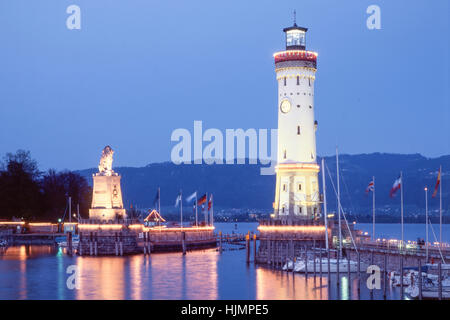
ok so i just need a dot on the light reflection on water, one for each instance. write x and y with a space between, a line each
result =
39 272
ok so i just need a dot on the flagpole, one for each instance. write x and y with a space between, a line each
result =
159 201
325 214
426 224
206 212
339 202
440 206
212 210
181 207
373 209
401 206
196 205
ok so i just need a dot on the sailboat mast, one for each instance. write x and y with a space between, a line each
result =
401 205
325 214
440 206
426 224
339 201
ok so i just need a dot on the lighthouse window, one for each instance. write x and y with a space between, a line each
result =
298 106
298 80
310 107
309 81
284 154
299 209
299 187
284 187
284 81
298 130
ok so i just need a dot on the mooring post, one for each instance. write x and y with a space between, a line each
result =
91 252
121 243
306 261
149 243
220 241
183 242
69 242
385 276
401 277
440 279
320 266
116 243
80 245
420 278
254 248
247 248
144 235
95 243
314 262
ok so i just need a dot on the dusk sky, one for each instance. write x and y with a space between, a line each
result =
137 70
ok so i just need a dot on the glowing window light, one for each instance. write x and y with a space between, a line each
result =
188 229
11 223
292 228
100 226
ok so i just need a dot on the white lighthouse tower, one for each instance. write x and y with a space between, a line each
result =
297 189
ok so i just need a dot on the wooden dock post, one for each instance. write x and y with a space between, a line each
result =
116 243
121 243
320 266
69 243
95 243
306 261
314 261
247 248
144 235
220 241
80 245
183 242
149 243
440 280
91 251
254 248
420 278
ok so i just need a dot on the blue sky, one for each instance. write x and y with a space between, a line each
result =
139 69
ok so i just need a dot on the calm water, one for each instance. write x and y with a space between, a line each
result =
39 272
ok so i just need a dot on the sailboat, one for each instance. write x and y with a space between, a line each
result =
334 264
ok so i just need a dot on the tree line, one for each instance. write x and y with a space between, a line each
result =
28 193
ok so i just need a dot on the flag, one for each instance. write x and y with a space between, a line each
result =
370 187
210 202
191 197
155 202
177 200
202 200
438 182
396 186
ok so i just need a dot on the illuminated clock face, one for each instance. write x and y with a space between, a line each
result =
285 106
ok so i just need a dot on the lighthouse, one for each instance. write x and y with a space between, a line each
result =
297 189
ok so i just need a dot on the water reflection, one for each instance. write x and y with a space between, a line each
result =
40 272
277 285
